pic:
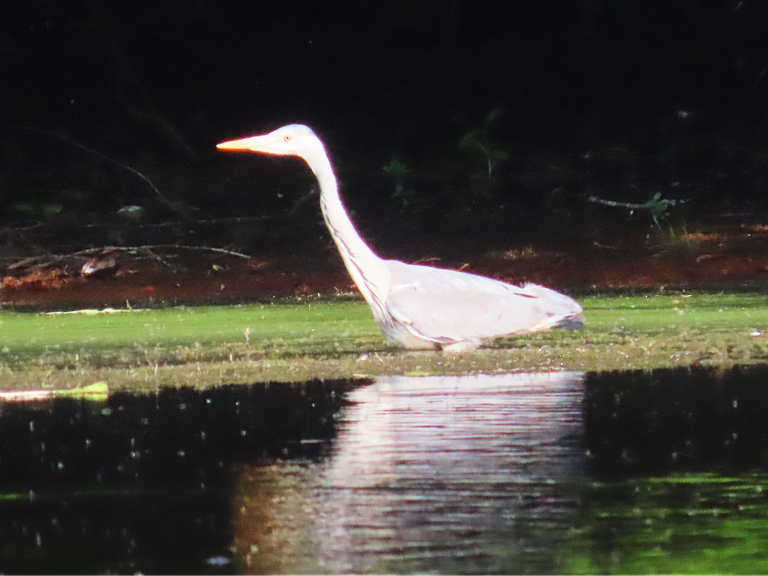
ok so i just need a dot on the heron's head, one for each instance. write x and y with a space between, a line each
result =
291 140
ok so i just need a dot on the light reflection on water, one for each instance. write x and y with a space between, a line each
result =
456 474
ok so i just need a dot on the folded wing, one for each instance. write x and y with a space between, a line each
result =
446 306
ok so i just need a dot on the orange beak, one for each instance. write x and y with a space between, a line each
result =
280 142
241 144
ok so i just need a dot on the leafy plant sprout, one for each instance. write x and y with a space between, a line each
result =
397 170
478 140
659 208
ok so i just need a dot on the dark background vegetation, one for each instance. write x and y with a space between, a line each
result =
619 99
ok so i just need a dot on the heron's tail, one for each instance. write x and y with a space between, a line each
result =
572 322
560 311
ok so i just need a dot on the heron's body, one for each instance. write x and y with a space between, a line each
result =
419 306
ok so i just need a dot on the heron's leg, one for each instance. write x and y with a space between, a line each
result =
460 348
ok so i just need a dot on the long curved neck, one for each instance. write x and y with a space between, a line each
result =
366 268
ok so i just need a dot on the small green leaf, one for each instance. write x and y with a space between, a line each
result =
493 115
396 167
471 140
25 208
52 209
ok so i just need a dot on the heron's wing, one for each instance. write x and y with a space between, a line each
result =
449 306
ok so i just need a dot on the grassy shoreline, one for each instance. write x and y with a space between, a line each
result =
143 350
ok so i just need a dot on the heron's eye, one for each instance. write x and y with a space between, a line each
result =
287 138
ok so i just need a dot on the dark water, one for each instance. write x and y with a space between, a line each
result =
521 473
144 483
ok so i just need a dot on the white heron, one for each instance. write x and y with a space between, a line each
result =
419 307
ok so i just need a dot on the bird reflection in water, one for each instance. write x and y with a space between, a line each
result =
433 473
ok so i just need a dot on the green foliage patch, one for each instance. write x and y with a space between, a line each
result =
680 524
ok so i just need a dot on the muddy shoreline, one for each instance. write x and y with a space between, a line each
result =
729 258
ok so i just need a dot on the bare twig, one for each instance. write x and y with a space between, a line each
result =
171 224
615 204
146 250
301 202
631 206
44 260
112 161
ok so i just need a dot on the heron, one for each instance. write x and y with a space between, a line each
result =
416 306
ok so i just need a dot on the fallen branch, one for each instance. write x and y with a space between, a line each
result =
168 224
646 206
615 204
48 259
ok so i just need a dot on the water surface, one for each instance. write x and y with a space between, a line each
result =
624 472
